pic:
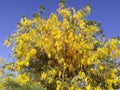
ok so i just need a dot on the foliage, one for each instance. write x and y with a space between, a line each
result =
62 52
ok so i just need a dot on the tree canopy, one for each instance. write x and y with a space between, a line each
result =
62 52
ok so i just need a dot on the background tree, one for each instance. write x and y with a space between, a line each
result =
63 52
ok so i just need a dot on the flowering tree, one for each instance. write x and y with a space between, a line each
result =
63 52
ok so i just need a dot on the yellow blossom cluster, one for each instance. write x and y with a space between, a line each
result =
22 79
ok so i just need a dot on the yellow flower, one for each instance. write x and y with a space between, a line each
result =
88 87
22 79
7 42
59 84
60 73
49 55
81 74
43 76
58 87
101 67
72 88
22 28
88 9
65 66
50 80
78 15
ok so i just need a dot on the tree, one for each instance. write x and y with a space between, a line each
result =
63 52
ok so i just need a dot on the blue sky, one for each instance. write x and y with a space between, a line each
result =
105 11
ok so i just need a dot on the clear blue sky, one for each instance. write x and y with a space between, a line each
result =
105 11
